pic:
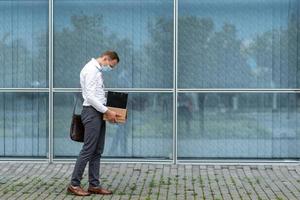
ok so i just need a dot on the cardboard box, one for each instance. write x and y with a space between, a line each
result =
117 102
121 111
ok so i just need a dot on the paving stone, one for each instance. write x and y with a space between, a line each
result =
149 181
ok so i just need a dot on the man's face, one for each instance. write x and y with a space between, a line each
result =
108 61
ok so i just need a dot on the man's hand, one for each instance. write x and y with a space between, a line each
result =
112 116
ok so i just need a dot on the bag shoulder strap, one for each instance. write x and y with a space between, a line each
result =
75 104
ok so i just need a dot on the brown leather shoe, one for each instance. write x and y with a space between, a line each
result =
99 190
77 190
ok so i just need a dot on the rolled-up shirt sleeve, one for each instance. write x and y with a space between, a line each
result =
90 89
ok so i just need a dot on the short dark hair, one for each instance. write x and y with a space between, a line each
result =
112 54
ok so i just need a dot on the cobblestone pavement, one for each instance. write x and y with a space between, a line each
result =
154 181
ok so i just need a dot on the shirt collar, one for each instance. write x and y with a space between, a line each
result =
95 62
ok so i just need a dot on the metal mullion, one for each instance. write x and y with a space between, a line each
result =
239 162
35 160
30 90
50 133
117 89
175 68
115 160
238 91
282 162
141 89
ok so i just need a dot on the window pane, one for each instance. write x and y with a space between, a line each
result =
238 125
238 44
147 133
24 44
140 31
23 124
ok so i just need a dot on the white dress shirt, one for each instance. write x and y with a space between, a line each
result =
92 86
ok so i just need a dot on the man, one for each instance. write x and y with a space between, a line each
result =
92 86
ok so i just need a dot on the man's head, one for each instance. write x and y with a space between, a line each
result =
109 58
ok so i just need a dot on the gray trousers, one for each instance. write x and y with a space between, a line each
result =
94 137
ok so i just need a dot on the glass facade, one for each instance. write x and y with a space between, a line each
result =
24 44
147 132
238 125
24 124
238 44
207 79
140 31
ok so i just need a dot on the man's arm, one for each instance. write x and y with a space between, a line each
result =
90 85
